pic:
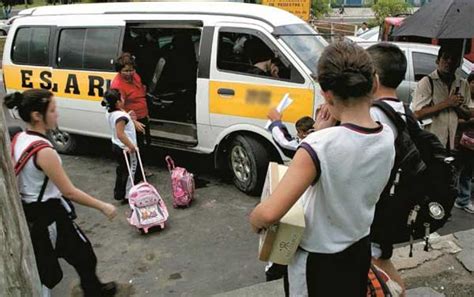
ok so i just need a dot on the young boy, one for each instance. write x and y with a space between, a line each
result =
390 65
333 165
287 143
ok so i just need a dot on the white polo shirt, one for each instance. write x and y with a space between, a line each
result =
354 165
120 115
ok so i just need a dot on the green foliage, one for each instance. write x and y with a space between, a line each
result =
386 8
321 7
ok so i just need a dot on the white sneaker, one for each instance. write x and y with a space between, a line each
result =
468 208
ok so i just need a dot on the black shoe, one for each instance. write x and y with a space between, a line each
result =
124 201
108 289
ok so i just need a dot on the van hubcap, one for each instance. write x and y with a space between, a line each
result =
60 138
240 164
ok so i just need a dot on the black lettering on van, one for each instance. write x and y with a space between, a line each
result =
45 77
96 83
108 83
25 78
71 83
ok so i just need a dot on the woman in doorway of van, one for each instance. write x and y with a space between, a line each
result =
129 84
43 183
332 167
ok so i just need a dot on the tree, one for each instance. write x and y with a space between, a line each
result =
386 8
18 273
321 7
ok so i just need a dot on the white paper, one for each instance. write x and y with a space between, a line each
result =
284 103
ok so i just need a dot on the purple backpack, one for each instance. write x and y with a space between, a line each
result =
182 183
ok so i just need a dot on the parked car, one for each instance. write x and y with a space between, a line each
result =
421 59
5 25
371 35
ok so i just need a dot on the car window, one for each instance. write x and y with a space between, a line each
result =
249 54
92 48
31 46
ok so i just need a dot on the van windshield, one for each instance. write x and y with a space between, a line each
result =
304 41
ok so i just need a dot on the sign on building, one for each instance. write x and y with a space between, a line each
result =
300 8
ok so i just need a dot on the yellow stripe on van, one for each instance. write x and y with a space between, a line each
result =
254 101
73 84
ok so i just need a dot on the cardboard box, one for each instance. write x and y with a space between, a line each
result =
279 243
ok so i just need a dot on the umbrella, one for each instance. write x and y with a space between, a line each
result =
440 19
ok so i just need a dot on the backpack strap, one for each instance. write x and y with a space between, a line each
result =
170 163
431 85
393 115
29 152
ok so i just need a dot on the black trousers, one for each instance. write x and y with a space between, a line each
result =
71 244
340 274
121 172
144 139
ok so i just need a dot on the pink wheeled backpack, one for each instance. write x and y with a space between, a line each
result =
182 183
148 208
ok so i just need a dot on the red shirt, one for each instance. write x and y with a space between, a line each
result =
134 94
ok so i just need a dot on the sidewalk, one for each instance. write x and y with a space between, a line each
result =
446 270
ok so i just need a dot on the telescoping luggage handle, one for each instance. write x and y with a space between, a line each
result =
170 163
130 169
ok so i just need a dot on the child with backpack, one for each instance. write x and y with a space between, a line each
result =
42 183
420 194
333 166
390 65
124 137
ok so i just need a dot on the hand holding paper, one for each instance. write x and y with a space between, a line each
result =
284 104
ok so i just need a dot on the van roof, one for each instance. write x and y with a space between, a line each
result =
274 16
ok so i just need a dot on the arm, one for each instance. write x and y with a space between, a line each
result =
464 112
423 101
297 179
48 161
282 137
120 127
429 111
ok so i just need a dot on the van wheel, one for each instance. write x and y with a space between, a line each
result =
248 161
63 142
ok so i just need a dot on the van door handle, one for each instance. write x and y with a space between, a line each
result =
226 92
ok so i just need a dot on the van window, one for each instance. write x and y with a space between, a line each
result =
92 48
249 54
31 46
423 64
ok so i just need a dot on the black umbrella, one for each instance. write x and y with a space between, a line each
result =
440 19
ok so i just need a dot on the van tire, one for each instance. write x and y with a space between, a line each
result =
248 163
63 142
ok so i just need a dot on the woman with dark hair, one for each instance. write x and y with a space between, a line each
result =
43 182
330 172
130 85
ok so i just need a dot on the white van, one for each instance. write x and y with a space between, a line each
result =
213 106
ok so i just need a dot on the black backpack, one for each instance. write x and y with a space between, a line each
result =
422 188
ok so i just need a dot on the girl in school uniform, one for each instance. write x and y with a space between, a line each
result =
124 137
343 170
42 184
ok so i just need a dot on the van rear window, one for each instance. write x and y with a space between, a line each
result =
31 46
91 48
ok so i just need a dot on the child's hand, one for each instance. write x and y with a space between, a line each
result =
274 115
133 115
324 119
139 126
131 149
